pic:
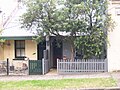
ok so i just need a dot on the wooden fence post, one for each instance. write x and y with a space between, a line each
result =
7 66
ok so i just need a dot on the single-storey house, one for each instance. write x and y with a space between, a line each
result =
19 44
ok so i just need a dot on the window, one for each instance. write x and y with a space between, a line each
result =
20 49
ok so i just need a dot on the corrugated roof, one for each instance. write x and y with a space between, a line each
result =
12 29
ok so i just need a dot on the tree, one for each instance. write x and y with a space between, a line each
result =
85 22
98 23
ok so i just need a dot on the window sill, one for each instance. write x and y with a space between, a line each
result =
19 59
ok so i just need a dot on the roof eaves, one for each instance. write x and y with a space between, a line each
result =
17 37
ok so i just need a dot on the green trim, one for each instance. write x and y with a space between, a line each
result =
17 37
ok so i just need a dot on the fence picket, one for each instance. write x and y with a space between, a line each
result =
81 65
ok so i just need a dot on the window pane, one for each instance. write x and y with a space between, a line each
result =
22 43
22 52
17 44
18 52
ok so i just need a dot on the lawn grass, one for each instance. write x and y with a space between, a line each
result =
57 84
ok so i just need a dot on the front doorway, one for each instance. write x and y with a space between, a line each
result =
57 51
40 49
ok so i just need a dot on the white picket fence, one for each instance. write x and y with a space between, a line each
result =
81 65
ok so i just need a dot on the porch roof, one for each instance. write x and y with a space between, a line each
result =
17 37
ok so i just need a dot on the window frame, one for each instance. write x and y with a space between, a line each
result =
21 47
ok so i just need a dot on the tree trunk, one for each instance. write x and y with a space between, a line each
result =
72 52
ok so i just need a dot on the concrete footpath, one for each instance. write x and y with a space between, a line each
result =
115 75
53 76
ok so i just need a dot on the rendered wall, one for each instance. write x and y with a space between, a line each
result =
9 50
113 52
31 49
1 53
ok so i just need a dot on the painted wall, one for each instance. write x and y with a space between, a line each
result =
31 49
8 51
1 53
113 52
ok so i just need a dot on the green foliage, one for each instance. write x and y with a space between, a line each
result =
85 21
97 23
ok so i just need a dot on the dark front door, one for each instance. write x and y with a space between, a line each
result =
57 52
40 48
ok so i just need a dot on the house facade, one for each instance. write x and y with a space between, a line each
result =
18 48
21 48
19 45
